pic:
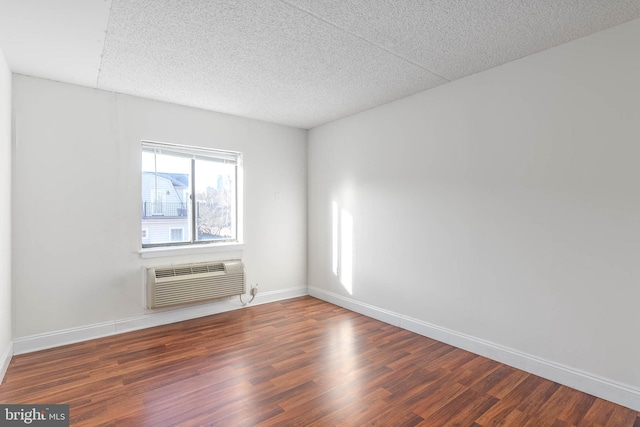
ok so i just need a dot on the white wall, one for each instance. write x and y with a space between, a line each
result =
504 206
77 194
5 215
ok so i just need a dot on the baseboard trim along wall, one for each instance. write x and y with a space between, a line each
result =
73 335
5 359
612 391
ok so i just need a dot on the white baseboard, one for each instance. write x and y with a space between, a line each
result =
73 335
610 390
5 359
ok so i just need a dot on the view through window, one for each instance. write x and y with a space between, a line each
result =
189 195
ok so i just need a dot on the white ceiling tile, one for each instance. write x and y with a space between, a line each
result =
457 38
58 40
259 58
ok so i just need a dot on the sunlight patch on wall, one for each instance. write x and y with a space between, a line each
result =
334 251
342 246
346 251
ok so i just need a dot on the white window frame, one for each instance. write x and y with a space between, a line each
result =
225 156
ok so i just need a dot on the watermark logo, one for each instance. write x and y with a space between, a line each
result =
34 415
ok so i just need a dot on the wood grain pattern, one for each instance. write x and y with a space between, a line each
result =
299 362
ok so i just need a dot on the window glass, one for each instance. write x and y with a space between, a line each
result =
189 195
215 200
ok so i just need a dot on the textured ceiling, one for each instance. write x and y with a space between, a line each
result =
295 62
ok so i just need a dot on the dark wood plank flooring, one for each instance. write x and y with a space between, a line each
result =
299 362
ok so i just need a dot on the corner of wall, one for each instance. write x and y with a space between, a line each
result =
5 359
6 298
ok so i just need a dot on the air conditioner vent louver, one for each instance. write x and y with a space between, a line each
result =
182 271
201 269
191 283
188 270
165 273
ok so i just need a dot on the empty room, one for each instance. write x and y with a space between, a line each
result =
320 213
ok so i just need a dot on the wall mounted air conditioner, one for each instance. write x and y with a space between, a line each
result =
190 283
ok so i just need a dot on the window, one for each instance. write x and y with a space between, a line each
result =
176 234
189 195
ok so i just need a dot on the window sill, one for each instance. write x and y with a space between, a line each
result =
189 250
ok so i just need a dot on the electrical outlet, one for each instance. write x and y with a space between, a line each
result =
254 290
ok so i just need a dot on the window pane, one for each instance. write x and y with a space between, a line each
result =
215 200
165 198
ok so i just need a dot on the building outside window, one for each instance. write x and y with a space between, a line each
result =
189 195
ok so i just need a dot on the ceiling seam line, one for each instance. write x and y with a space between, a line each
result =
104 44
365 40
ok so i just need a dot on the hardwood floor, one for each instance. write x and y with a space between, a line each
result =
299 362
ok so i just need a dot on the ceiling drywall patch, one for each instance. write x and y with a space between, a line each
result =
58 40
